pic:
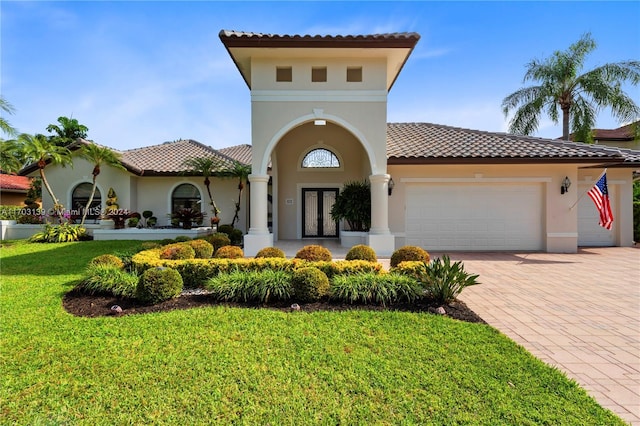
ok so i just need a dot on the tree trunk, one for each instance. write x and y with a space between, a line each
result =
50 191
565 123
236 216
86 208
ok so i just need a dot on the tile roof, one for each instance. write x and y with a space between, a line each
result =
13 183
433 143
232 38
621 133
240 153
168 158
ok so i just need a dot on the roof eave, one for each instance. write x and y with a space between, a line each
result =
498 160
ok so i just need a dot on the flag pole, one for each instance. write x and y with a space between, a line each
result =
588 189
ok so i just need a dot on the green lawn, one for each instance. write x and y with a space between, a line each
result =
254 366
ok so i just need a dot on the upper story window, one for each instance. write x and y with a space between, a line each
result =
354 74
284 74
318 74
320 158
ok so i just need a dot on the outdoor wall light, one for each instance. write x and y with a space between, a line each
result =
320 122
566 183
391 185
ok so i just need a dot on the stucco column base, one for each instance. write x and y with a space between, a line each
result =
253 243
383 244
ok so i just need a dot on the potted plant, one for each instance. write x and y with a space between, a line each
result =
187 217
353 205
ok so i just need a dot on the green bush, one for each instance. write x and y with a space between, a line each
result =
314 253
341 267
182 239
309 284
132 222
159 284
251 286
271 252
167 241
381 289
150 245
444 280
202 248
107 260
103 278
229 252
59 234
30 219
409 253
177 251
10 212
636 221
361 252
234 234
218 240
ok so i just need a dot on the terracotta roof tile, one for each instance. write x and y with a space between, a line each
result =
13 183
232 38
168 158
240 153
425 142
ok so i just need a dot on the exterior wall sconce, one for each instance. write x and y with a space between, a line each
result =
319 122
391 185
564 187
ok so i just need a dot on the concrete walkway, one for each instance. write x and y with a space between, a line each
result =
577 312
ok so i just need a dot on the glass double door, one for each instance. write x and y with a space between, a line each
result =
316 216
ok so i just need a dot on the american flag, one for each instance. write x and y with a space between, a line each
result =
600 196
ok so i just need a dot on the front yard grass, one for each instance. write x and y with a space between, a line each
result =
256 366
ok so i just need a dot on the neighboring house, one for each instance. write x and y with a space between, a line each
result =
627 137
13 189
318 118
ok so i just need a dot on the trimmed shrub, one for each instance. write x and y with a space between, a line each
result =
409 253
341 267
314 253
132 222
167 241
251 286
202 248
10 212
150 245
361 252
271 252
159 284
218 240
177 251
107 260
229 252
109 279
381 289
309 284
225 229
182 239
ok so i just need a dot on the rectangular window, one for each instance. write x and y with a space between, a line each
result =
354 74
318 74
284 74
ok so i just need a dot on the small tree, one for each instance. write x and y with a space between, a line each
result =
206 167
241 172
353 204
67 132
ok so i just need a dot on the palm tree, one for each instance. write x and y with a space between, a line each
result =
9 156
241 172
41 150
4 124
98 155
206 167
68 131
578 96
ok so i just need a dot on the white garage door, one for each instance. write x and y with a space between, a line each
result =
590 233
475 216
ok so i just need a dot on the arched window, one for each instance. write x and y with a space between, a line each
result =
80 197
320 158
185 196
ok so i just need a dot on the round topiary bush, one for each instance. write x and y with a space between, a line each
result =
167 241
182 239
361 252
203 249
225 229
314 253
409 253
148 245
159 284
178 251
107 260
229 252
218 240
309 284
271 252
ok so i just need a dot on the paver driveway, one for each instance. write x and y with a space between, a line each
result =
578 312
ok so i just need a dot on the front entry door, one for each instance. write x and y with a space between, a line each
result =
316 217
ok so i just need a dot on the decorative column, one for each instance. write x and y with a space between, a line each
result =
380 239
258 236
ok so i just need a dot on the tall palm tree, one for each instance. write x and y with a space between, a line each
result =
579 97
241 172
98 155
206 167
68 131
10 156
4 124
41 150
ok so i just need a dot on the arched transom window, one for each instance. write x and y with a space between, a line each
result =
79 199
320 158
185 196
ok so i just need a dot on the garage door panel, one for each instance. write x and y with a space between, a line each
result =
590 233
475 216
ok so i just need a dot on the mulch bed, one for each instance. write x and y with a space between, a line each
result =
85 305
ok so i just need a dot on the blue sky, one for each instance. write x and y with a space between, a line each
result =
141 73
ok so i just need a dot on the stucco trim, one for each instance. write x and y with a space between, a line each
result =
476 180
318 95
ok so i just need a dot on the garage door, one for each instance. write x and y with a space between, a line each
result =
467 217
590 233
